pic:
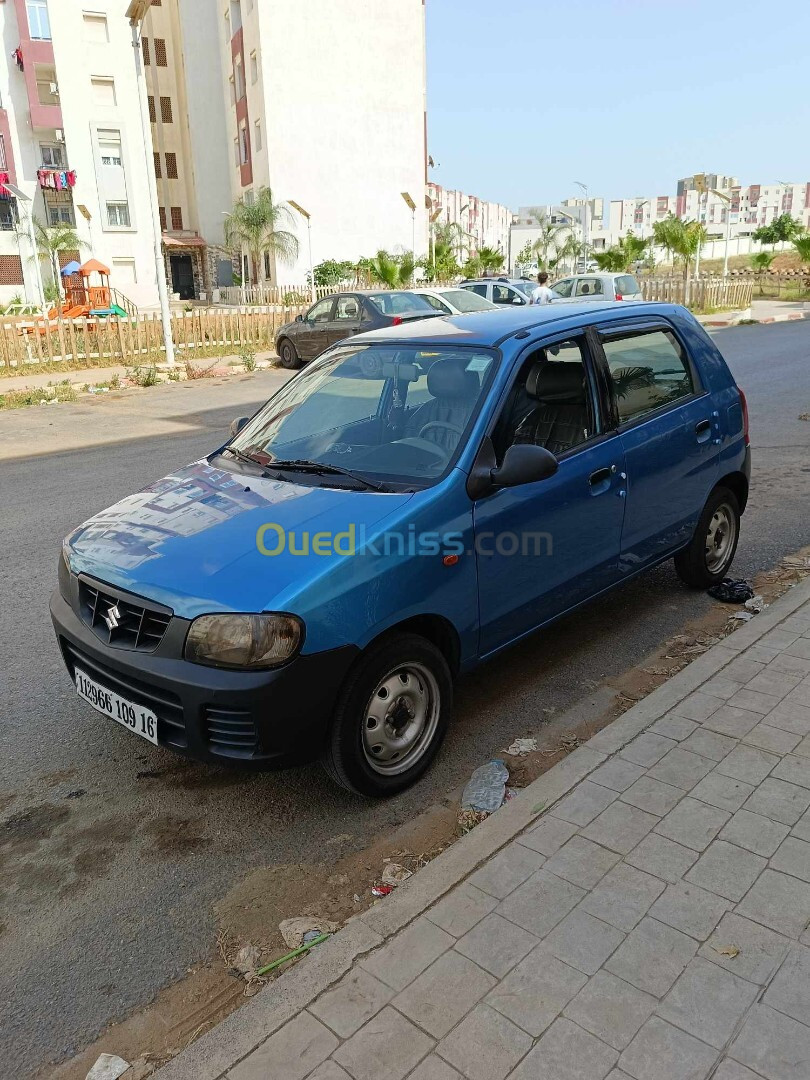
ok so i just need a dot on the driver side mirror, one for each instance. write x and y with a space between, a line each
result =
237 425
524 464
299 318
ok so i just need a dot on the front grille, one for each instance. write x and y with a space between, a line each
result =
165 705
230 733
129 623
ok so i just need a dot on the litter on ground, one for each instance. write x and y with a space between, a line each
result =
756 604
394 874
732 591
521 746
108 1067
486 788
299 931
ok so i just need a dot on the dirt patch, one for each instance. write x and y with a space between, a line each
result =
339 886
175 835
31 825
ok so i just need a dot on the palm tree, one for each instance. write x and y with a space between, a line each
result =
667 234
761 261
51 239
802 246
262 225
623 255
491 259
552 236
393 271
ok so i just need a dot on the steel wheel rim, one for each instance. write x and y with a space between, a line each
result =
720 538
400 719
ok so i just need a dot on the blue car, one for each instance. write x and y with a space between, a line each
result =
412 502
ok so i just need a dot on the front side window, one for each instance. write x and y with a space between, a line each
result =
503 294
648 369
551 403
394 415
39 25
347 308
563 288
437 304
322 312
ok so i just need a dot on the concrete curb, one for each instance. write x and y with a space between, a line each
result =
739 316
220 1049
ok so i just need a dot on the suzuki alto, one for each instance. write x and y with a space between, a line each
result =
411 503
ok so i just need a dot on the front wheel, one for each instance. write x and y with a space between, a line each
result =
710 553
391 717
287 355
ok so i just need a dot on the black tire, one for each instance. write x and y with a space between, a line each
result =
346 757
287 355
694 563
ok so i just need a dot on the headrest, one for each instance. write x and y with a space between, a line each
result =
551 380
448 380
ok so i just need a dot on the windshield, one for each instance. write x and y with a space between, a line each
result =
466 300
399 303
526 287
398 414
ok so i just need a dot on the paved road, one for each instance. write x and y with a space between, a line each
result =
106 896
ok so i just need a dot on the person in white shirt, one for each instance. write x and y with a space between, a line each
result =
542 294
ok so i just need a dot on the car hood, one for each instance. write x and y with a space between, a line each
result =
190 541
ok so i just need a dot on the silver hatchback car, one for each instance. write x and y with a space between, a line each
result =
598 286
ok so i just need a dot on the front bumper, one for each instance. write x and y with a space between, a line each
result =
277 717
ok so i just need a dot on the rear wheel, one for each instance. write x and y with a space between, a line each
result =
711 551
287 354
391 717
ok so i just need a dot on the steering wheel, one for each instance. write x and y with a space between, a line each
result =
440 424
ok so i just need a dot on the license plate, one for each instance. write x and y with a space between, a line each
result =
133 717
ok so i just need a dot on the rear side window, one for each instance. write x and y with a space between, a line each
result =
399 303
480 289
626 285
648 370
588 287
436 303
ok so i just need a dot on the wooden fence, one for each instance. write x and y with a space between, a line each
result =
273 295
704 293
93 342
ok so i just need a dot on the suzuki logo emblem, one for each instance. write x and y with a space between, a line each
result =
113 618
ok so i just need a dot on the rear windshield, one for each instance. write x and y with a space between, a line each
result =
398 303
627 284
467 300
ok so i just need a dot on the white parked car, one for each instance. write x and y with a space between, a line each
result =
598 286
452 301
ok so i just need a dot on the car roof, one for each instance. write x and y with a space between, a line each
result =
490 328
598 273
495 281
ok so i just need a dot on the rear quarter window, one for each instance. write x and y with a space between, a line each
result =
626 285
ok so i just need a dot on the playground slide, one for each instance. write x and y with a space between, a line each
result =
119 311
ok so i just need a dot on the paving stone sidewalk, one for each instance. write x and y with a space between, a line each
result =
651 924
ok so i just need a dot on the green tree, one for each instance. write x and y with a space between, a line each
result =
667 234
552 238
525 255
802 247
263 225
681 239
472 267
393 271
331 273
761 261
491 259
51 239
786 228
622 256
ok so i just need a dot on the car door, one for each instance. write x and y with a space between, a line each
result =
346 318
313 336
482 288
546 546
669 434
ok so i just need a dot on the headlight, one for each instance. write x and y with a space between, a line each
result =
64 575
244 641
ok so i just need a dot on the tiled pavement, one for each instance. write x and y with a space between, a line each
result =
651 925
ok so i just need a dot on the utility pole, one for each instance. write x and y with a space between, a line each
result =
585 236
136 13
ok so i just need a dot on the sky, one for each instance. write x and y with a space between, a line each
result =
525 97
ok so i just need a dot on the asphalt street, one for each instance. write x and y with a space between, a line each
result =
113 852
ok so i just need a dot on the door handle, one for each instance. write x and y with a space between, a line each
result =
703 430
600 480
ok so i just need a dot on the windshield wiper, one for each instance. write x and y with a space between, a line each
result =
322 469
242 456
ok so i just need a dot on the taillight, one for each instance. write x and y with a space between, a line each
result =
619 296
397 320
744 404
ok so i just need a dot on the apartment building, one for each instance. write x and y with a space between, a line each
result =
180 47
484 223
326 107
70 142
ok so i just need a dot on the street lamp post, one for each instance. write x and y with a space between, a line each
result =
434 217
727 200
308 218
412 207
136 13
585 236
27 201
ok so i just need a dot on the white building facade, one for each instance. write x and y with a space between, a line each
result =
326 106
70 140
483 223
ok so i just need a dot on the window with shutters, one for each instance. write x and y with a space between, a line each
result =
177 218
103 90
147 59
166 110
152 113
162 216
171 166
160 52
11 270
158 173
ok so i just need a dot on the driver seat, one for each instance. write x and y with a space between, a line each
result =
453 391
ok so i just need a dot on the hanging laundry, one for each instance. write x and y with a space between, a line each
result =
18 57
